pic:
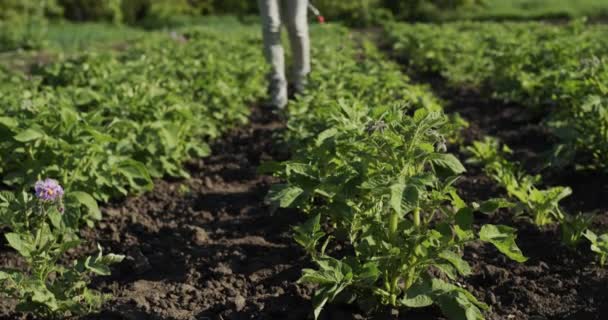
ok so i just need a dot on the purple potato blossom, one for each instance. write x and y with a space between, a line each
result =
48 190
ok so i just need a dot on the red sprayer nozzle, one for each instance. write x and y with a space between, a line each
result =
317 13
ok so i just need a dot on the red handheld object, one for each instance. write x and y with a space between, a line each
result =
317 13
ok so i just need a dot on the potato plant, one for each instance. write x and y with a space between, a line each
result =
107 124
392 199
42 228
599 245
540 205
556 70
377 180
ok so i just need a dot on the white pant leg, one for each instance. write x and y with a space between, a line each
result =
296 20
270 11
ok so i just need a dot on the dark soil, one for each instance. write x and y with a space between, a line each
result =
555 283
208 247
523 130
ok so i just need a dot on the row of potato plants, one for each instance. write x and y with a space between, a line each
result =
106 123
103 125
541 206
561 69
386 226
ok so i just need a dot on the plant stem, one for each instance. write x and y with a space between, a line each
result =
393 223
394 288
417 217
409 280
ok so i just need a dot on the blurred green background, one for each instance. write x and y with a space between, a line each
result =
27 24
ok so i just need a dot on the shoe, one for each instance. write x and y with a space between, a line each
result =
299 86
278 94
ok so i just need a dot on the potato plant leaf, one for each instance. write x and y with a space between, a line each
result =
17 242
456 261
89 202
447 161
284 195
28 135
503 238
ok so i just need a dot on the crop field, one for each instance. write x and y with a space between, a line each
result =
430 171
533 9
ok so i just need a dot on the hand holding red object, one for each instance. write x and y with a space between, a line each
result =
317 13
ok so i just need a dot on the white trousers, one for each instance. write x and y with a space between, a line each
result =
294 14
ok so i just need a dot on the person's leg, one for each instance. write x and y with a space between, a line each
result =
273 50
296 19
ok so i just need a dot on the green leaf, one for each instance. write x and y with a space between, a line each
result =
112 258
136 174
55 217
503 238
299 168
27 135
67 245
6 197
89 202
309 233
101 264
325 293
464 218
325 135
270 167
8 122
368 273
455 302
490 206
457 201
396 196
448 270
42 295
448 161
283 195
441 286
420 115
456 306
419 295
320 298
333 277
18 243
419 301
411 197
454 259
464 224
316 277
591 236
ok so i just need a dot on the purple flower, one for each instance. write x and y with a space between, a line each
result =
48 190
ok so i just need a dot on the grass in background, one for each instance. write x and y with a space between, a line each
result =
78 36
66 38
533 9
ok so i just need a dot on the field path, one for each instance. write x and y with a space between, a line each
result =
207 247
